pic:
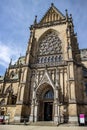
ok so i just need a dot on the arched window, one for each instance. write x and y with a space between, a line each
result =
11 99
56 59
14 98
49 95
49 43
12 74
45 59
48 59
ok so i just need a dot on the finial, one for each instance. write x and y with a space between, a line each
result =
10 62
71 19
35 21
52 4
71 16
66 13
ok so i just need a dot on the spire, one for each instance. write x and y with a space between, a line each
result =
71 16
66 14
10 62
5 74
72 21
35 21
52 4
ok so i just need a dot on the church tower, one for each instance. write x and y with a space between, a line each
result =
53 57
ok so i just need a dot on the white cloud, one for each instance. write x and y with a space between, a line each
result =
7 52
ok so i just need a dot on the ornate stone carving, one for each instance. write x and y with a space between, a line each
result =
50 48
50 64
46 79
50 44
49 59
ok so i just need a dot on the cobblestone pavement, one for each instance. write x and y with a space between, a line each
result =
27 127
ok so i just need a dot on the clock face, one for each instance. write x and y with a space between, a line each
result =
50 44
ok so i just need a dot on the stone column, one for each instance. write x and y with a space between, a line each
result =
19 104
32 118
55 111
56 105
32 111
56 99
20 94
36 112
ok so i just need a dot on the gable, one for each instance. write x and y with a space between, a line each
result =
53 14
46 79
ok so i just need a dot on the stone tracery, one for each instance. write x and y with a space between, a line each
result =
50 48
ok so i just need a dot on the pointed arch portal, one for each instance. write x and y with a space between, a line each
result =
45 97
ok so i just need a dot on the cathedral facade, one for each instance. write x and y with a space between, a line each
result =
49 83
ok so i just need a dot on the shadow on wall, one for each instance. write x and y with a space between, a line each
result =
64 101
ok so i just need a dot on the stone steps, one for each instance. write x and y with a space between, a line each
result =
43 123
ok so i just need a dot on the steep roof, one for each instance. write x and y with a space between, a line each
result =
53 14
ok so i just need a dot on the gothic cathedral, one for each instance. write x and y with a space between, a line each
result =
49 83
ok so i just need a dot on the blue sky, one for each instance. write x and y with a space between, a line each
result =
16 16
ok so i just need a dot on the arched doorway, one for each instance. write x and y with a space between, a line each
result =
48 105
45 97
